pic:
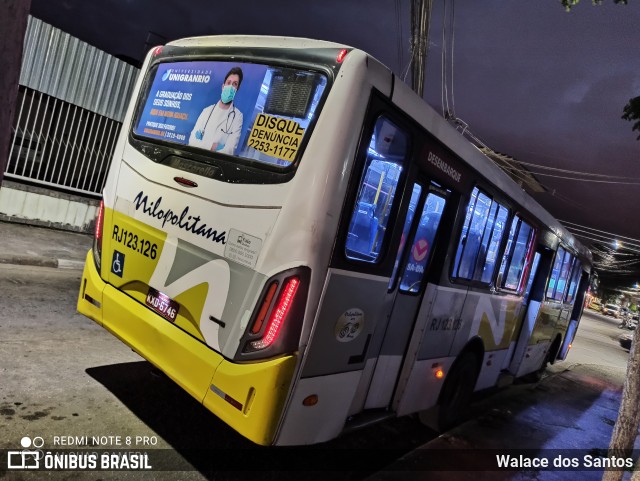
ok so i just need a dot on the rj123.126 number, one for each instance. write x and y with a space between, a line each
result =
135 243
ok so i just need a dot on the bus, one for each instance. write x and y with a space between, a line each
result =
304 246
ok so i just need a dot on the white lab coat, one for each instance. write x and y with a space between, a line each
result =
218 125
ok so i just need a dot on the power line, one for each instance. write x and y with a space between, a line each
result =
553 176
586 180
518 174
617 236
611 260
601 237
443 63
529 164
453 43
595 250
399 31
568 200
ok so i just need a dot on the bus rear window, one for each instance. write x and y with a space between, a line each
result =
253 111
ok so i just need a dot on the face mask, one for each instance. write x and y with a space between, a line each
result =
228 92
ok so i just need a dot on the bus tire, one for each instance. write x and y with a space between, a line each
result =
455 397
536 376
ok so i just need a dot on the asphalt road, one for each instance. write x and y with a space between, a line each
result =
597 342
62 376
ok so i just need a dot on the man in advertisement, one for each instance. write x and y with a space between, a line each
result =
219 126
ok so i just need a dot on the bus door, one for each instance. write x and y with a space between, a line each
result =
525 356
355 302
576 314
419 235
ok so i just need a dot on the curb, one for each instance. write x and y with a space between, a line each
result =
41 261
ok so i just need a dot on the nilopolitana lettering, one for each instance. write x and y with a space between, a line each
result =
189 223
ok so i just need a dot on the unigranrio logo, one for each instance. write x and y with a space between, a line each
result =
186 77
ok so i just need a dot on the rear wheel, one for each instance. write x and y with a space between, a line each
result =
457 391
537 376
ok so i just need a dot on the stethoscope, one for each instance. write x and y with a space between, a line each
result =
226 130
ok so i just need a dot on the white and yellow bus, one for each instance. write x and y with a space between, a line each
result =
303 245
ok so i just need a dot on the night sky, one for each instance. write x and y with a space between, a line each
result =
532 81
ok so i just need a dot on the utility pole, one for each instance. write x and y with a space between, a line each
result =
13 24
420 16
625 430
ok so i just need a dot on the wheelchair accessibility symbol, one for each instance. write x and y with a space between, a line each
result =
117 263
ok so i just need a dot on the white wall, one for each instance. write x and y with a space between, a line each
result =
41 207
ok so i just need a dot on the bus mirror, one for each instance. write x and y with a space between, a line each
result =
384 137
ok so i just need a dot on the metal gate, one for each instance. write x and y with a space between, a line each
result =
71 102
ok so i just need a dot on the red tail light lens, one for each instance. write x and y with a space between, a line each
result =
266 304
278 315
343 53
276 323
97 240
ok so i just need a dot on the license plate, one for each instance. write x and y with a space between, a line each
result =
162 304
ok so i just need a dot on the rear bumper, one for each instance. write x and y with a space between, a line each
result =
249 397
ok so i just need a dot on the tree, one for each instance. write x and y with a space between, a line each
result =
567 4
625 430
13 24
631 112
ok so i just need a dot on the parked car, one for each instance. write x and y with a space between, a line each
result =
595 306
612 310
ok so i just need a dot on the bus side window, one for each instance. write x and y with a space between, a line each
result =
422 243
385 158
575 279
494 232
413 203
561 269
564 276
515 256
482 232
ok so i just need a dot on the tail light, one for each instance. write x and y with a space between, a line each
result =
278 315
97 240
276 323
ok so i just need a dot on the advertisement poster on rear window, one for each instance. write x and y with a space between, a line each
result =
207 105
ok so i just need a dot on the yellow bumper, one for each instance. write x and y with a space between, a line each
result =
248 397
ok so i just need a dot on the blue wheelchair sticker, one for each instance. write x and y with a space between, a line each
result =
117 263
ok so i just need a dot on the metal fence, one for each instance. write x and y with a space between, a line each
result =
61 145
71 104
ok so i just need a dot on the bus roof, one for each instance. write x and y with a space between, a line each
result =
255 41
